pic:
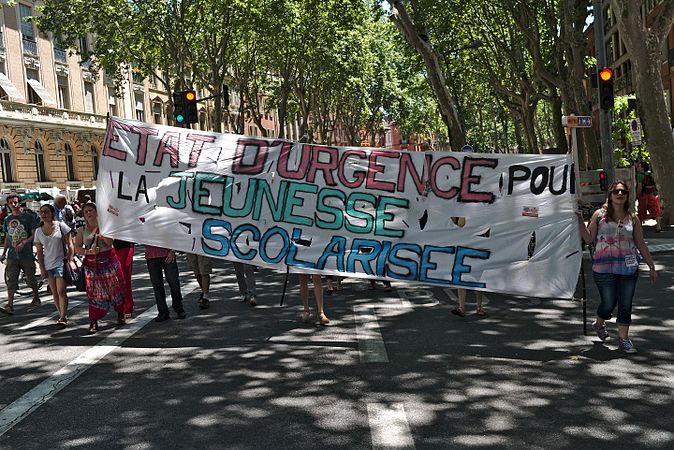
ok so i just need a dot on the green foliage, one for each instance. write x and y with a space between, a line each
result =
622 137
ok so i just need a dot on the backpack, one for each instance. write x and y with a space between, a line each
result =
648 184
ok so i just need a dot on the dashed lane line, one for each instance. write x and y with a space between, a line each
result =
389 427
371 347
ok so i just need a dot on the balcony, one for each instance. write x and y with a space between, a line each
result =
60 55
29 46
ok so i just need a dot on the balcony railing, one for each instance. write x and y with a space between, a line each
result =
46 114
29 46
60 55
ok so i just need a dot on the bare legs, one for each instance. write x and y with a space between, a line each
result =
318 293
57 286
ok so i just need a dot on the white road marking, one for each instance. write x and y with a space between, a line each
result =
21 408
389 427
371 347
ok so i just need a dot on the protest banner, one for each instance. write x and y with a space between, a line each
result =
494 222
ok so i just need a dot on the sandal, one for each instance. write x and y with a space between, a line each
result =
62 322
329 291
9 310
323 319
480 312
458 312
93 327
306 316
120 319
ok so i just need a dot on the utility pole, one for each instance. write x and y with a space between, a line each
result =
605 116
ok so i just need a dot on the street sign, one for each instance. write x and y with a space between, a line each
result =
635 130
577 121
467 148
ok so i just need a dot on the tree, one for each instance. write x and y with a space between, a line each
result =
415 34
643 40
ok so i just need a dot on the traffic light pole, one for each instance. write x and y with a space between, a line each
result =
605 116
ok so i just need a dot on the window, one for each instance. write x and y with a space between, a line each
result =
62 92
40 163
112 102
6 160
156 112
89 97
140 110
32 74
70 166
26 27
84 45
94 160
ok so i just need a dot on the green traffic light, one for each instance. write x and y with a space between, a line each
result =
180 118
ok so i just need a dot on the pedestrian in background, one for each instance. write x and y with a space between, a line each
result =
318 294
124 251
617 235
19 227
245 277
54 246
102 270
160 259
648 200
460 309
202 266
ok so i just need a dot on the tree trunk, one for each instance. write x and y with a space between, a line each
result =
434 73
644 47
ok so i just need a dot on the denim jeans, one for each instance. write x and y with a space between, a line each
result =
616 290
155 266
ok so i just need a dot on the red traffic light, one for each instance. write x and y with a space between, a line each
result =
602 181
606 74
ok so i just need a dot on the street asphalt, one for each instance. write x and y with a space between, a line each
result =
393 370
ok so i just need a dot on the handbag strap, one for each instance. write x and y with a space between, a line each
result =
63 241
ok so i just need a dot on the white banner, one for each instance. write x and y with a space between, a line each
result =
500 223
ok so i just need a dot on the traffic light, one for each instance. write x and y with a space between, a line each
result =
602 181
185 107
605 88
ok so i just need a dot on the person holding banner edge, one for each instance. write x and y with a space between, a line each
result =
102 270
617 234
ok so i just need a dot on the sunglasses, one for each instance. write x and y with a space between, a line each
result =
620 191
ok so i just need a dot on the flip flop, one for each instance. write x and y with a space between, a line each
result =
9 310
458 312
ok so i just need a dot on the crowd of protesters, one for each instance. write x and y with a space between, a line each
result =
614 230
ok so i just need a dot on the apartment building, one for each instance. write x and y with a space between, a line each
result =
53 108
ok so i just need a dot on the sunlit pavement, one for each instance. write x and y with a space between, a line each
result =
393 370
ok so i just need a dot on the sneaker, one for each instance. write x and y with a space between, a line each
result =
181 315
252 301
602 332
161 318
626 345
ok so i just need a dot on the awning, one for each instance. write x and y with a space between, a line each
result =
10 89
41 92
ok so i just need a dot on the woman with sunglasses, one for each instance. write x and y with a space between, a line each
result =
102 270
617 234
54 247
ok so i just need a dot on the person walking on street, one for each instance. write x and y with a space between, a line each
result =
19 230
160 259
54 246
648 200
617 234
102 270
460 310
318 293
245 277
124 251
64 213
202 266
